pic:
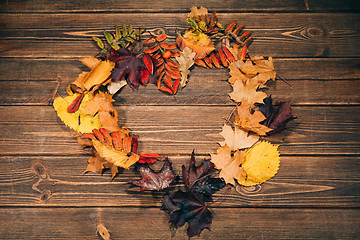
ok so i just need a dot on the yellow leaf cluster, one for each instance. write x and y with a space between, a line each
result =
199 43
79 121
96 108
240 158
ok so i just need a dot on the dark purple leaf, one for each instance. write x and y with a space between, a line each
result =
187 207
276 119
193 173
152 180
127 66
208 185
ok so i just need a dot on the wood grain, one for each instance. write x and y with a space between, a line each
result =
50 6
312 83
59 181
199 91
173 130
54 35
48 69
234 223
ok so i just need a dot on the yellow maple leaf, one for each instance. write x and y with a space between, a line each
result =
250 121
228 164
261 163
199 43
118 158
238 138
78 121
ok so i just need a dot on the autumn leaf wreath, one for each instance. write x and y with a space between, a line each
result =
243 158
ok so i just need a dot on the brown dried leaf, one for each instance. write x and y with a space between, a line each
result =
247 92
228 164
202 11
186 60
237 139
250 121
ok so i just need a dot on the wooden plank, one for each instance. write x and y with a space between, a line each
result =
32 69
179 129
238 223
146 6
49 6
325 5
301 182
313 83
199 91
54 35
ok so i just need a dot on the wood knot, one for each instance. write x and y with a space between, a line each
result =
315 32
45 195
248 190
157 31
39 169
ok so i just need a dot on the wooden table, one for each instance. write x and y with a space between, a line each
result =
45 195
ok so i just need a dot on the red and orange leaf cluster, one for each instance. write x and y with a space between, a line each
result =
166 66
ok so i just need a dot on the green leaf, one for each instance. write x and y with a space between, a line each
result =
109 37
129 39
130 29
192 23
99 42
117 32
122 44
104 51
124 30
115 46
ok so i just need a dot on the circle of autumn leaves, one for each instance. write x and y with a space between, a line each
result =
135 57
88 109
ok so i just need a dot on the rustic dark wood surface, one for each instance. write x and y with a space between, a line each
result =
45 195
